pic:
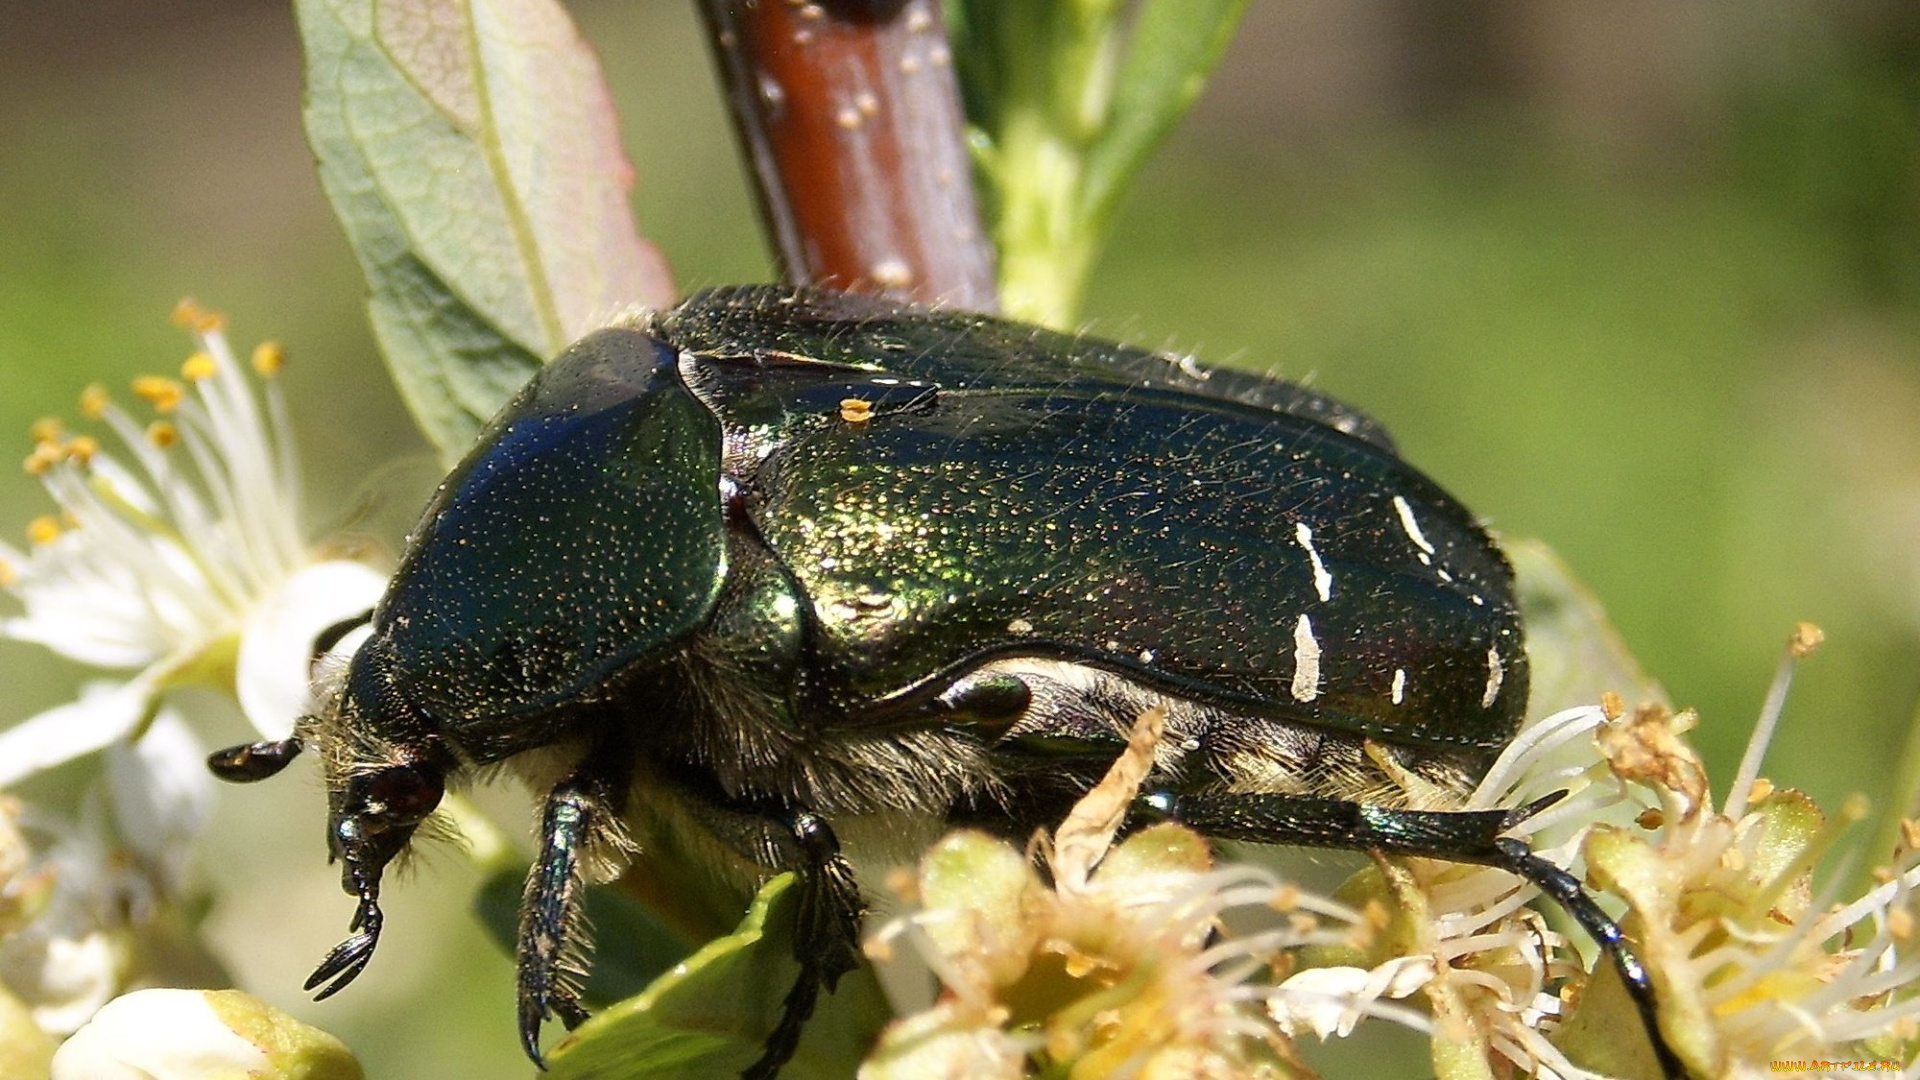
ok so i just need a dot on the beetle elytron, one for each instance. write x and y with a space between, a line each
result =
776 565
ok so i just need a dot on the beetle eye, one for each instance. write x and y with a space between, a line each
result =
400 795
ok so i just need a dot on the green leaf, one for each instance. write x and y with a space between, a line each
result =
708 1016
470 150
1172 49
1067 102
1573 651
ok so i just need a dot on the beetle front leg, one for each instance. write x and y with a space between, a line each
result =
1467 836
580 811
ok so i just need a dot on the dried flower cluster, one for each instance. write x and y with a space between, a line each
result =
1125 965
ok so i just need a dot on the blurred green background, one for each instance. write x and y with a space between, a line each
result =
1640 279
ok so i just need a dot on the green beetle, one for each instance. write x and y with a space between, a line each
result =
779 565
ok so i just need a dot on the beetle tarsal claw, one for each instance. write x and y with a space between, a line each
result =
349 958
1523 813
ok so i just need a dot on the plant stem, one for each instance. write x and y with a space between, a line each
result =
850 115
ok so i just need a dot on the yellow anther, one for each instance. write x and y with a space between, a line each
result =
199 366
45 456
162 434
44 529
81 448
1375 914
8 575
1611 705
94 401
1761 789
162 393
47 429
1900 924
1650 818
189 314
269 358
1806 638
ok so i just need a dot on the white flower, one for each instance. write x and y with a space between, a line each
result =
79 900
176 558
199 1035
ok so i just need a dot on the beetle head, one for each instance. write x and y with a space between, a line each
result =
385 775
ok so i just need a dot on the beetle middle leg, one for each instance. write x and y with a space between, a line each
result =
582 811
826 930
826 935
1466 836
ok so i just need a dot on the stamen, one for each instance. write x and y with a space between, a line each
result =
81 448
189 314
198 367
8 575
94 401
269 358
162 434
44 529
162 393
47 429
1806 637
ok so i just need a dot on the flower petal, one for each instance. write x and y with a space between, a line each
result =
276 644
161 795
104 713
64 978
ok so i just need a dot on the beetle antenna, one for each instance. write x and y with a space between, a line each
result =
326 639
248 762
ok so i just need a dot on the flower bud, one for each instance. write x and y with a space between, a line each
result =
200 1035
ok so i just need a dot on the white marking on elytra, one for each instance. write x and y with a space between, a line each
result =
1496 674
1399 685
1322 580
1412 527
1306 661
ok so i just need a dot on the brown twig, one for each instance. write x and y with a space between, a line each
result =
851 117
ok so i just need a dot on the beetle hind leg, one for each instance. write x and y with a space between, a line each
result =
1467 836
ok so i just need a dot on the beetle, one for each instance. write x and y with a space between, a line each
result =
777 565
